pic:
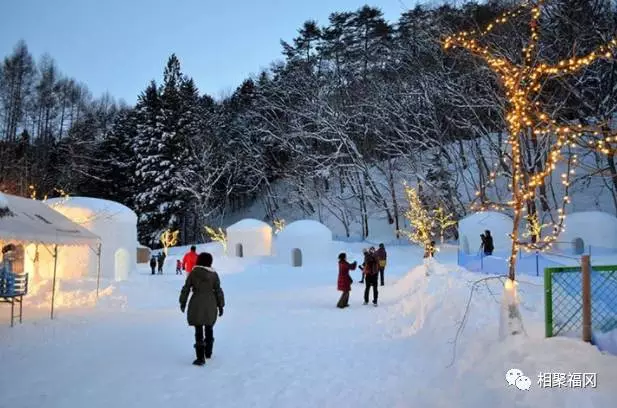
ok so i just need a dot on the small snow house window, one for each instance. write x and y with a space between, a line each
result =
296 257
239 250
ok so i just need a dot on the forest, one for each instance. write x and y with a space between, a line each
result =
356 104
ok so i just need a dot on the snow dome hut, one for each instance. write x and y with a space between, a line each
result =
588 228
249 237
115 223
470 228
303 241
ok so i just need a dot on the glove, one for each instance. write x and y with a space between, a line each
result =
182 308
220 311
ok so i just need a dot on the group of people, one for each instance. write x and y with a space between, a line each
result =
373 269
157 262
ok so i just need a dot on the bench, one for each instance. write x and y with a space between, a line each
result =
13 288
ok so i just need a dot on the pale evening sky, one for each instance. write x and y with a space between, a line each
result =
120 45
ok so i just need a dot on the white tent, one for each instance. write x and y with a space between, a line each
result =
470 228
114 223
595 228
249 237
42 230
303 241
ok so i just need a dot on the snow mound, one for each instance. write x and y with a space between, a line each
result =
71 295
95 207
4 203
595 228
249 224
304 228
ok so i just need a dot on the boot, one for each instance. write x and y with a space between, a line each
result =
208 349
199 353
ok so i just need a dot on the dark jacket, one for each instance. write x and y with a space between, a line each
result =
207 296
370 267
344 280
488 244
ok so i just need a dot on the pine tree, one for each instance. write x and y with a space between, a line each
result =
118 171
147 145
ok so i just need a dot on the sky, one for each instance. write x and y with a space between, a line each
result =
120 45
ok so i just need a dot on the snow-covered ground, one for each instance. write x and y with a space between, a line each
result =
283 343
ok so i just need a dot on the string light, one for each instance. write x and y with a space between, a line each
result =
217 235
420 222
444 220
279 224
522 84
168 239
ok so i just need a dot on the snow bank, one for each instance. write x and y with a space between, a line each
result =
458 334
606 341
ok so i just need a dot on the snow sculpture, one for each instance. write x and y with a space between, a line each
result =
470 228
249 237
114 223
303 241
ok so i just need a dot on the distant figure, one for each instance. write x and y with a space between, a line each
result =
381 258
153 264
364 253
206 300
178 267
487 243
344 280
429 250
371 272
161 261
189 260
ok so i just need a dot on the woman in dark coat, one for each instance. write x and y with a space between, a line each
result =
344 280
207 299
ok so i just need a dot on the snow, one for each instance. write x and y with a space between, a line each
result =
475 224
283 343
249 237
4 203
115 223
596 228
311 237
606 341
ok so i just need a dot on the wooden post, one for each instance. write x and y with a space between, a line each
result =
53 288
586 297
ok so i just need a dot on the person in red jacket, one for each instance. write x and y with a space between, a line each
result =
344 280
189 260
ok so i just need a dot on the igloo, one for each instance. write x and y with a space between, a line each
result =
303 241
249 237
470 228
595 228
114 223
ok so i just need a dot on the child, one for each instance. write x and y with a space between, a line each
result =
178 267
365 253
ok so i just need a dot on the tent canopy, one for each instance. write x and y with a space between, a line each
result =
33 221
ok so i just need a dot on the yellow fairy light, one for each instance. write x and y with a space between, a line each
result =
420 222
522 84
217 235
168 239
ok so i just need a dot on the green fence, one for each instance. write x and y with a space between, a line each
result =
563 300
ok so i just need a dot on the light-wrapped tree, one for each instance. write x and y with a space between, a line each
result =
523 79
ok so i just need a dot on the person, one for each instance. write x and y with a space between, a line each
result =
344 280
207 298
487 243
153 264
178 267
381 257
161 261
371 271
364 253
429 250
189 259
